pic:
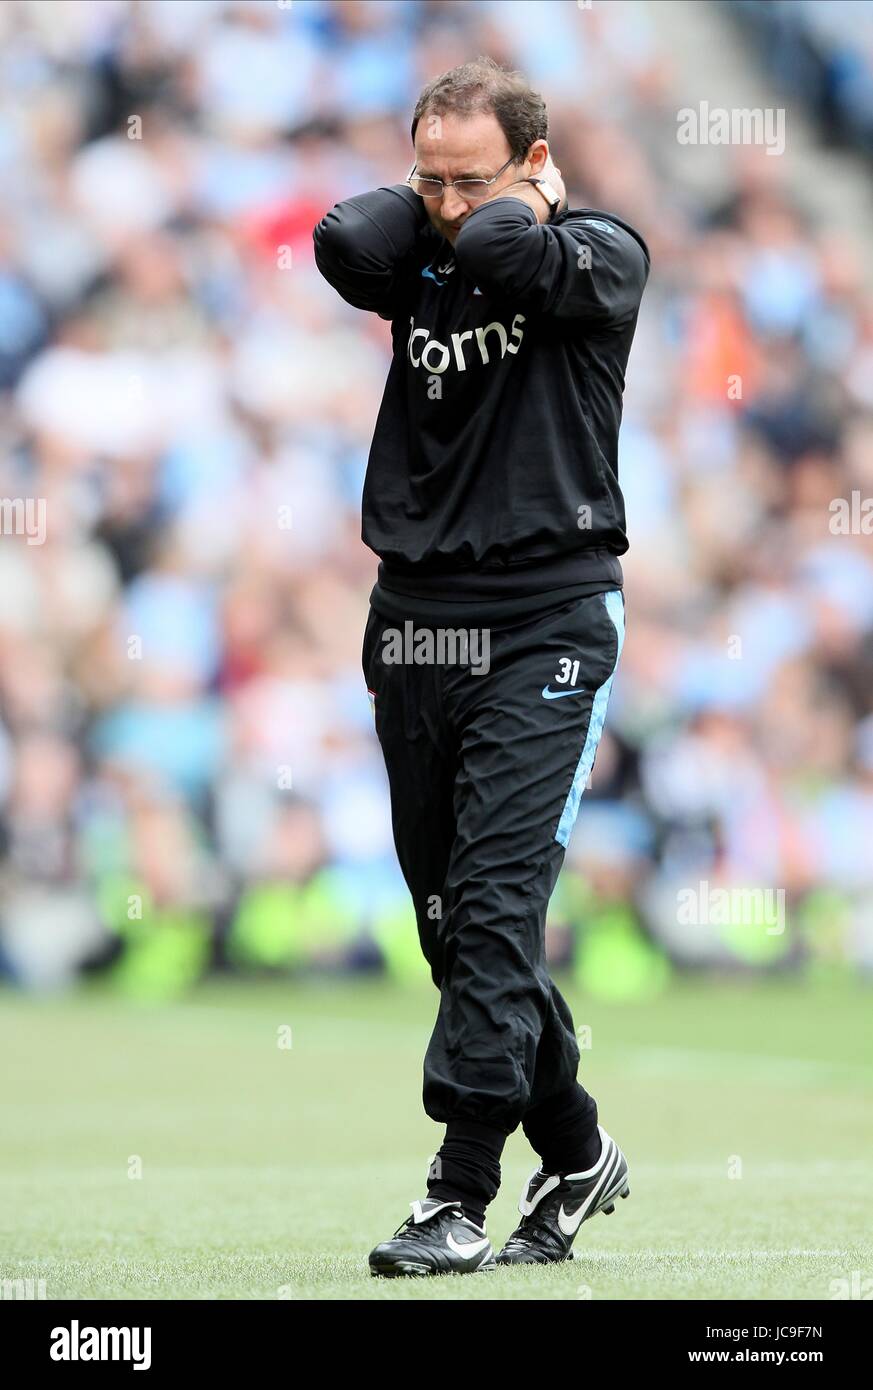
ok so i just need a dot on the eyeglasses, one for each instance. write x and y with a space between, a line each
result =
468 189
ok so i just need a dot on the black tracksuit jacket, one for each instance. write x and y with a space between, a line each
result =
493 470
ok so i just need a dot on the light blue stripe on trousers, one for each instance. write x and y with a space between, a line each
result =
615 609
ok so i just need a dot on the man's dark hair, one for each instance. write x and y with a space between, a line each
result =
483 85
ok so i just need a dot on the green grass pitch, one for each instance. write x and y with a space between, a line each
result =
268 1172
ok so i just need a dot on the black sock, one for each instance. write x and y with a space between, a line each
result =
466 1168
588 1154
563 1131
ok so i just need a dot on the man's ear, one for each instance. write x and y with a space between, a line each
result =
538 156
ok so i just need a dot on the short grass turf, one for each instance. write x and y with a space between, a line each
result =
268 1172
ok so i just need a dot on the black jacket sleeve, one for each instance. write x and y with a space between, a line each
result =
586 267
362 247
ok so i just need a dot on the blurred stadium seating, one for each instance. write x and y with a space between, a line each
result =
189 778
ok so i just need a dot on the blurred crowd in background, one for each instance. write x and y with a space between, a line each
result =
189 777
820 51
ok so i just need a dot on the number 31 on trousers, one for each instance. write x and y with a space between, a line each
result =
569 673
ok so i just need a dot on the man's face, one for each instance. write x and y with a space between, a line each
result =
456 147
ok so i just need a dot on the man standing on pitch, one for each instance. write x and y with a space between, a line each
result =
492 500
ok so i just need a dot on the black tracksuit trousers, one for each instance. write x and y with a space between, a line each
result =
487 760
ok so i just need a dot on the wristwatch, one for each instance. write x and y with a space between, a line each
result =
551 196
